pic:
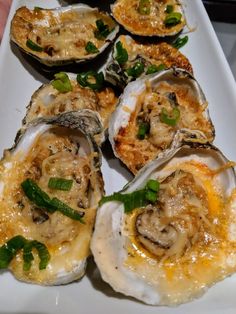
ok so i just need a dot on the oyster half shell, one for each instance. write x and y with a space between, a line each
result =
170 251
152 100
157 56
60 36
148 17
60 147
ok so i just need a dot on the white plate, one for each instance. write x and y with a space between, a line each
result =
18 80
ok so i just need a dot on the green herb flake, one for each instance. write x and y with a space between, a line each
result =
33 46
91 48
91 79
180 42
136 70
102 30
169 8
153 185
143 130
144 7
62 82
170 119
121 54
155 68
60 184
173 19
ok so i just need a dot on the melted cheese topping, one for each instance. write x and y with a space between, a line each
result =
199 206
53 154
62 35
135 153
126 13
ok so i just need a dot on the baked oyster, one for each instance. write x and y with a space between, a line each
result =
65 94
170 233
62 35
150 17
131 59
151 110
50 186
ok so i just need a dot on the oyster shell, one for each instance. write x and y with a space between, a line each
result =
152 101
161 55
48 101
60 36
59 147
149 17
170 251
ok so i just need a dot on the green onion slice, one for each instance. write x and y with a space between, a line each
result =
135 199
169 8
153 185
91 79
173 19
91 48
28 257
66 210
10 249
121 54
136 70
180 42
155 68
102 30
144 7
60 184
144 129
33 46
62 82
170 119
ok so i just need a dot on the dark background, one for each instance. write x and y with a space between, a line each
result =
221 10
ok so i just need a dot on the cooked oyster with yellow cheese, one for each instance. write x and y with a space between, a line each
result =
170 234
131 60
150 17
50 185
65 94
62 35
150 112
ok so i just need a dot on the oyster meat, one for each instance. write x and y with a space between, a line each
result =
172 248
150 112
150 17
61 148
62 35
150 58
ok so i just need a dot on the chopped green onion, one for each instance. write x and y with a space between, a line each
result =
170 119
10 249
121 54
173 19
91 79
91 48
37 9
136 70
153 185
43 253
60 184
33 46
27 256
169 8
154 68
102 30
180 42
135 199
144 128
42 200
62 82
144 7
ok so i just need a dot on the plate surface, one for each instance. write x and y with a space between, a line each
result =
19 79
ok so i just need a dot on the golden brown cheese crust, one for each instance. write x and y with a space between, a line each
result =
135 153
127 14
63 36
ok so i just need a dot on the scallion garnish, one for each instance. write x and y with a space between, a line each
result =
60 184
42 200
91 48
155 68
144 128
172 118
121 54
136 70
102 30
37 9
135 199
173 19
33 46
9 250
144 7
169 8
180 42
62 82
91 79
